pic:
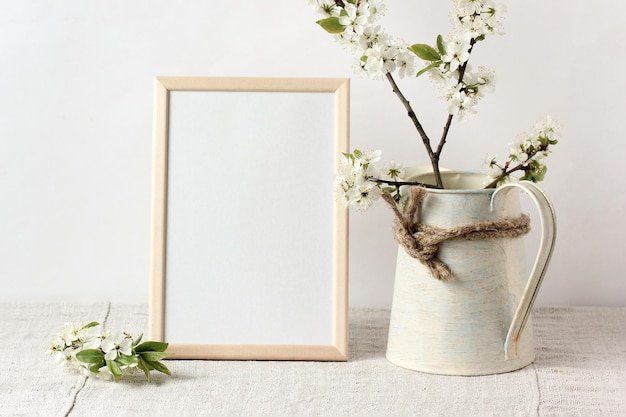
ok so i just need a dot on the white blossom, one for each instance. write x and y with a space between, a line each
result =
393 170
363 194
354 185
115 344
461 105
492 169
69 333
377 8
355 18
482 81
548 128
325 7
370 157
478 17
457 53
468 7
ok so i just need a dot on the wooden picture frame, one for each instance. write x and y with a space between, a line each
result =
249 248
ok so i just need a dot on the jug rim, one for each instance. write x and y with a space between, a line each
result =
456 182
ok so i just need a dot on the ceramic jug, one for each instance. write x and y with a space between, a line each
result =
478 322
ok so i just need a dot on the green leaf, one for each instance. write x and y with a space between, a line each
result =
428 68
357 153
127 360
539 174
440 45
535 174
92 324
146 364
153 356
90 356
145 367
151 346
426 52
331 25
96 367
136 342
349 156
158 366
115 369
543 140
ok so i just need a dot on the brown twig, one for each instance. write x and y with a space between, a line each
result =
400 183
434 159
505 173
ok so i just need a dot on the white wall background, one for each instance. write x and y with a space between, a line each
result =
76 126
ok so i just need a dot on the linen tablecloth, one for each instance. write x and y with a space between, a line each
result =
580 370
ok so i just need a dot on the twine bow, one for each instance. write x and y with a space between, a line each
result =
422 241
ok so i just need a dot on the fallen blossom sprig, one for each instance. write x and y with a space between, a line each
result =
90 350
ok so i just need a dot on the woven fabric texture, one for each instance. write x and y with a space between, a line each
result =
580 370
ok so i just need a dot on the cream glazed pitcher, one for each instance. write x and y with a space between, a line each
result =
477 322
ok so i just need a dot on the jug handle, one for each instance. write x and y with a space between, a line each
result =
546 247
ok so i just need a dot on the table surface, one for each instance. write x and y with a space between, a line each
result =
580 369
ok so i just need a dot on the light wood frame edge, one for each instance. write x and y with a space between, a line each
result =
156 310
156 317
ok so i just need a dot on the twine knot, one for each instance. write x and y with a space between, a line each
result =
422 241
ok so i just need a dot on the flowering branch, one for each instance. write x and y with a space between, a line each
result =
354 24
528 153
